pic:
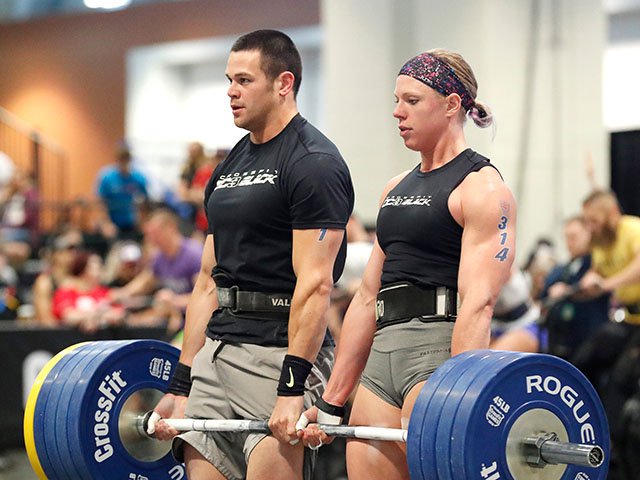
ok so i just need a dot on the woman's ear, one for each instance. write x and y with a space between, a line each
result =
454 104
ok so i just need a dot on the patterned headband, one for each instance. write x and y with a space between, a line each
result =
436 74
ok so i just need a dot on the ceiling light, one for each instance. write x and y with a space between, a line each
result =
107 4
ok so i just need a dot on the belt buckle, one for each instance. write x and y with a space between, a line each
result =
442 306
446 306
234 295
379 309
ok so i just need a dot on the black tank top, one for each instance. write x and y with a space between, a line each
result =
420 238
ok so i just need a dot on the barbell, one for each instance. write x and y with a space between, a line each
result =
483 414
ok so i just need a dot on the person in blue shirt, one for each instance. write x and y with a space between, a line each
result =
122 189
569 319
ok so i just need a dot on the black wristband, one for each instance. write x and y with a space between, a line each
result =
294 373
334 410
180 383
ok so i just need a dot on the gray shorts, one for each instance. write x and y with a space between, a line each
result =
403 355
239 381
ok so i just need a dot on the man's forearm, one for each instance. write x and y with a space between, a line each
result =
307 320
201 305
628 276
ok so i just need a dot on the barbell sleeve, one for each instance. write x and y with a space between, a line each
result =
572 453
545 449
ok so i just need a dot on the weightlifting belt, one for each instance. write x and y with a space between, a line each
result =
633 308
400 303
514 314
239 301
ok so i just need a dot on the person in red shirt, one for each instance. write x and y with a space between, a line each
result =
82 301
198 184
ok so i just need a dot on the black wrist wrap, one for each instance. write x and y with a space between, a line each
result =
329 408
294 373
180 383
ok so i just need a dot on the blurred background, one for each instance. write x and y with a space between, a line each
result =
84 84
559 75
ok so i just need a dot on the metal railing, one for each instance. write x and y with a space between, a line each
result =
42 157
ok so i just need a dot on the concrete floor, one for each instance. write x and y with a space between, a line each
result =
14 465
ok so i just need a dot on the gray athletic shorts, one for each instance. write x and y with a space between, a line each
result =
403 355
239 381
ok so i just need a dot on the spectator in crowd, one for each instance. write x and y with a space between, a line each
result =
198 184
123 263
195 159
570 319
359 247
90 218
540 261
608 357
81 301
615 268
179 199
122 189
20 217
7 168
58 258
9 301
172 272
514 325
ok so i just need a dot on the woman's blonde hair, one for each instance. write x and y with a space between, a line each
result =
479 112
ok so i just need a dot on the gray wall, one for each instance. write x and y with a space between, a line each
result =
538 68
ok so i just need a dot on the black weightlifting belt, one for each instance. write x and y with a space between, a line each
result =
401 303
633 308
239 301
514 314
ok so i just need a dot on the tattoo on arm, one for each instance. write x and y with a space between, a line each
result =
323 232
502 254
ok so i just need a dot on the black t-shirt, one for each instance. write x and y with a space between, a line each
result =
415 229
254 199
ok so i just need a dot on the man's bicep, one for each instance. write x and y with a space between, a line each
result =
208 259
316 247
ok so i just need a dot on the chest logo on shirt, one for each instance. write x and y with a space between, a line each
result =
407 201
247 179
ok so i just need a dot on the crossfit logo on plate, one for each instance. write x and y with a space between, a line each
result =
582 476
110 388
496 412
494 416
553 386
490 472
160 368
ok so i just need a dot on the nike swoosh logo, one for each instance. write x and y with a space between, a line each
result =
290 382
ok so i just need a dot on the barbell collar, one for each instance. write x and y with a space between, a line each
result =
545 449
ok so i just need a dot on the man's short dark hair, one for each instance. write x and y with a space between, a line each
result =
278 54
